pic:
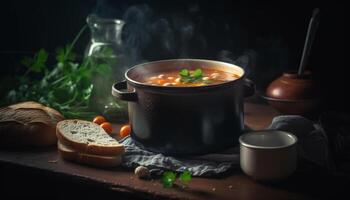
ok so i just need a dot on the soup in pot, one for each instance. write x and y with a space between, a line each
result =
188 78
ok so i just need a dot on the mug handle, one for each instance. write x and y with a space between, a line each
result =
249 87
123 95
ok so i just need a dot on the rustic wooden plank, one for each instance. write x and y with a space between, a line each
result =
235 185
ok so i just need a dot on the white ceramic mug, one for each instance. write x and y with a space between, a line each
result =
268 155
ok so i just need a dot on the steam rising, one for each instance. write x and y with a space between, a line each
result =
150 35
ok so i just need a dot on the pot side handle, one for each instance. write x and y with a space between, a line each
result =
117 91
249 87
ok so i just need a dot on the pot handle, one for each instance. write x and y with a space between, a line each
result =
249 87
123 95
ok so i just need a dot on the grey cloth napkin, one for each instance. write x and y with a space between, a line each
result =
204 165
311 138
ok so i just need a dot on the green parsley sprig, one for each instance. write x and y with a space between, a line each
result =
168 179
186 76
66 85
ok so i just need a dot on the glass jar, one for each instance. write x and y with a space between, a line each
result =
105 51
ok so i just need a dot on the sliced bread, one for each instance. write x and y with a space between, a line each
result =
88 159
88 138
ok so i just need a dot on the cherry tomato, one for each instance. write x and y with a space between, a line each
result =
125 131
107 127
99 120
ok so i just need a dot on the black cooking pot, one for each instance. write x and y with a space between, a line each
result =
184 120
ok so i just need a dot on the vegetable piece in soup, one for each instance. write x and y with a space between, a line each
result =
188 78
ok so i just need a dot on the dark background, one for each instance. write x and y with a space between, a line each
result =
265 38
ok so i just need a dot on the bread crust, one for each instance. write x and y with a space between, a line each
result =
88 148
28 124
88 159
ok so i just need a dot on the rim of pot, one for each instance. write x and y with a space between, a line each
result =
140 84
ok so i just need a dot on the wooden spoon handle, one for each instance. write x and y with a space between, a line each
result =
310 36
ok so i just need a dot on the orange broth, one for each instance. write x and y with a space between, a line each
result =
173 78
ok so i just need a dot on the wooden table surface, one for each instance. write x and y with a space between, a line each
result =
236 185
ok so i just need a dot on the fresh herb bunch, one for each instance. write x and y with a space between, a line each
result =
168 179
66 86
195 77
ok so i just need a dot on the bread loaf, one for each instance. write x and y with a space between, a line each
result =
28 124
